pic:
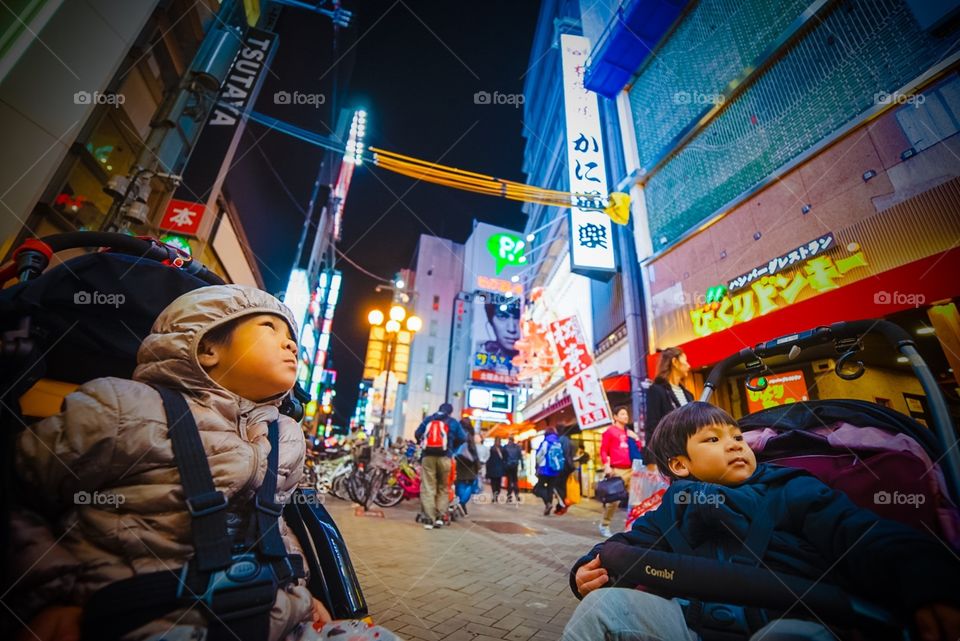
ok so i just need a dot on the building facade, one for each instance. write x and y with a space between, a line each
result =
438 273
794 165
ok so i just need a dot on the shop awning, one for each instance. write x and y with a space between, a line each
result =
617 383
858 301
551 409
631 36
613 383
505 430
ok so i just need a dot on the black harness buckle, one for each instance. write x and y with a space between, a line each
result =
248 586
206 503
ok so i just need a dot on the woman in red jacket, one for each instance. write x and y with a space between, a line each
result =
615 456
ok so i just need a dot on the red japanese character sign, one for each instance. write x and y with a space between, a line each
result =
571 346
182 217
583 385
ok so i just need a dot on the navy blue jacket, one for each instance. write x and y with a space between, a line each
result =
455 437
495 464
818 532
512 455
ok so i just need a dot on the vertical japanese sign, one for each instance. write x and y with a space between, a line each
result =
583 384
590 231
215 148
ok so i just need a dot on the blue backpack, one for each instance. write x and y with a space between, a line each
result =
550 458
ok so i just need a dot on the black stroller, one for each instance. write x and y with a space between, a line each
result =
829 439
50 342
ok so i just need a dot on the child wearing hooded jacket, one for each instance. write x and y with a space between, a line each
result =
818 533
105 499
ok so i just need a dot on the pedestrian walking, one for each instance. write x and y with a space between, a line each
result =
468 467
553 466
439 436
495 468
483 453
616 459
512 462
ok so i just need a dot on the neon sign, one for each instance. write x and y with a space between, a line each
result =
506 249
770 293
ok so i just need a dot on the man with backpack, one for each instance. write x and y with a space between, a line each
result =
553 467
439 436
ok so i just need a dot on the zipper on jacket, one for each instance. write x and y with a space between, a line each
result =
256 468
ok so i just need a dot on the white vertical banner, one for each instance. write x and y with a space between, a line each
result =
583 383
591 232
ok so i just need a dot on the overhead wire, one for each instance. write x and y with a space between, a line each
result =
359 268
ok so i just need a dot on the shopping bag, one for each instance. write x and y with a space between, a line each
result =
573 490
649 504
610 490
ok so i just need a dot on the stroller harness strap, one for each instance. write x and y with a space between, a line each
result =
208 519
717 621
236 589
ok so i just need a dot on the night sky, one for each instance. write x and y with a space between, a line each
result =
415 67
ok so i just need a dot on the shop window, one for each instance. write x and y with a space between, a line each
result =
427 382
932 116
430 354
111 148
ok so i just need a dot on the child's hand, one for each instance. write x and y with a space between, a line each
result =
57 623
591 576
320 614
938 622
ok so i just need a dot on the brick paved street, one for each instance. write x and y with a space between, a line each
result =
501 573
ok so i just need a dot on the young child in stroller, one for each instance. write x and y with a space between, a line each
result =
104 472
718 492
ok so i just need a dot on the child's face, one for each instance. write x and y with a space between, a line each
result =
622 417
716 454
259 361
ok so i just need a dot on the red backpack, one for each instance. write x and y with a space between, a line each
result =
435 436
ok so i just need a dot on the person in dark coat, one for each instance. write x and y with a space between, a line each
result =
513 460
815 532
665 395
468 466
496 467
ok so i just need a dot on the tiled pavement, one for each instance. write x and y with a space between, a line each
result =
501 573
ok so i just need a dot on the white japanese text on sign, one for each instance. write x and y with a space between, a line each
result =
591 233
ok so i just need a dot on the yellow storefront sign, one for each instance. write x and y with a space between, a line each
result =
771 293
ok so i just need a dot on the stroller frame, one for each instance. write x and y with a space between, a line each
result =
710 580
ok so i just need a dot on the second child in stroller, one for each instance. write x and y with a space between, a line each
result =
722 505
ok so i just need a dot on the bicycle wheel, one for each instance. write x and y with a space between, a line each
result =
357 487
372 487
338 488
389 495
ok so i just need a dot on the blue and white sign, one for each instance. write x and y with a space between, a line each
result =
590 231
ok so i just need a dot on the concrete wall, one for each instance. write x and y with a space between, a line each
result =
78 49
875 383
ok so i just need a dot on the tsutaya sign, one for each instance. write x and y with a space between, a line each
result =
583 384
590 232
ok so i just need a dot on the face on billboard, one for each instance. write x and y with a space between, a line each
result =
496 330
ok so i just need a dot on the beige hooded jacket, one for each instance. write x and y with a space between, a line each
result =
105 466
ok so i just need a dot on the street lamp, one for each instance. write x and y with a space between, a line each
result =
392 327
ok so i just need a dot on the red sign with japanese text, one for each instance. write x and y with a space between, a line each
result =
182 217
784 388
583 384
